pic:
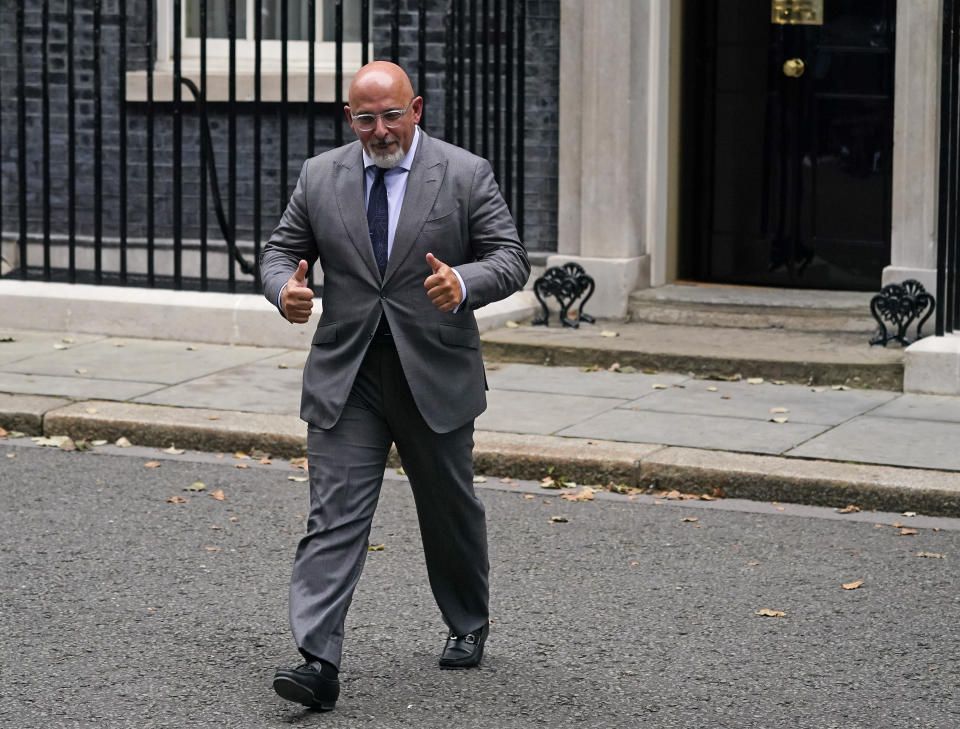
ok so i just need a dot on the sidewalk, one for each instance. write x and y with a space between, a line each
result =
827 443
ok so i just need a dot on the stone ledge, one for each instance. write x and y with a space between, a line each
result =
25 412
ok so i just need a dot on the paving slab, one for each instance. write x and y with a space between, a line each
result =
894 441
704 431
795 480
30 344
140 360
922 407
573 381
25 412
77 387
268 386
197 428
539 412
744 400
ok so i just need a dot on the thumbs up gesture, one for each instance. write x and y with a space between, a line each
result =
297 298
443 286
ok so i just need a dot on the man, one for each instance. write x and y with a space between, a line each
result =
412 234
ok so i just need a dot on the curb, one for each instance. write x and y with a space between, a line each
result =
643 465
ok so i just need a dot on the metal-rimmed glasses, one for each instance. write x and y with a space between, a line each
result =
391 118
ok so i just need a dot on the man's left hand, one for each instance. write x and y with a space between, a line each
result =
443 286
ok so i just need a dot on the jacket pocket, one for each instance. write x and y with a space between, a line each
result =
459 336
325 334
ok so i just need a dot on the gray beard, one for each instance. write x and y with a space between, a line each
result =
386 161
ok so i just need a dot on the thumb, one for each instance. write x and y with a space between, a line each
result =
300 275
435 263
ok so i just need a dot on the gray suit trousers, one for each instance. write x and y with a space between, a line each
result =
346 465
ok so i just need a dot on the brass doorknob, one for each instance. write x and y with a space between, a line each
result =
793 67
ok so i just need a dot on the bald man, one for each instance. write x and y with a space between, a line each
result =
412 235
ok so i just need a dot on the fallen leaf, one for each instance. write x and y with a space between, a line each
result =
908 532
191 348
479 479
690 518
658 386
11 455
122 442
506 479
282 366
529 496
80 371
608 333
853 585
839 387
634 564
92 411
3 433
673 495
931 555
909 513
265 462
648 371
173 450
195 486
299 462
726 397
212 549
781 508
778 382
54 441
68 445
779 410
628 370
219 495
151 464
233 518
768 613
558 520
214 526
298 479
614 367
850 509
240 465
819 389
401 472
510 324
591 368
375 547
585 494
58 345
779 419
752 564
214 417
712 388
754 380
897 524
707 497
240 454
98 443
176 500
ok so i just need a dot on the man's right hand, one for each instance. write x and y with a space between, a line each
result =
297 298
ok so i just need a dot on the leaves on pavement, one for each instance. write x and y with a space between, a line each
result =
151 464
768 613
176 500
849 509
219 495
931 555
585 494
298 479
195 486
853 585
173 450
559 519
907 532
122 442
375 547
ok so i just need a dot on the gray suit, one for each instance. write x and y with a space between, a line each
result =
421 391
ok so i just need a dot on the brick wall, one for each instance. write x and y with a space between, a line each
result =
540 133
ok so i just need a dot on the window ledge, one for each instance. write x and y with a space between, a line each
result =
218 85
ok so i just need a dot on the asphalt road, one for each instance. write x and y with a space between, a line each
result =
120 609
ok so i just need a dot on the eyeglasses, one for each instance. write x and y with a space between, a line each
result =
368 122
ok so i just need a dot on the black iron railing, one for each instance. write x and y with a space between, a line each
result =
948 236
128 185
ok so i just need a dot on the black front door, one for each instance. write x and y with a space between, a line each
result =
787 141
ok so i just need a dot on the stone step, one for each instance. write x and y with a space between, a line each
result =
741 307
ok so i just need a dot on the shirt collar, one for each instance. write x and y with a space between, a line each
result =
407 161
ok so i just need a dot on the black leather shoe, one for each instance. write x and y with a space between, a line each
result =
464 651
313 684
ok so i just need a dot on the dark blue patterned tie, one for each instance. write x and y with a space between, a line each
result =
377 217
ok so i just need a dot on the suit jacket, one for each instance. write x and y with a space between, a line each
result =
453 209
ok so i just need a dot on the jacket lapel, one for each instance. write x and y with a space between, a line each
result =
349 184
423 186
